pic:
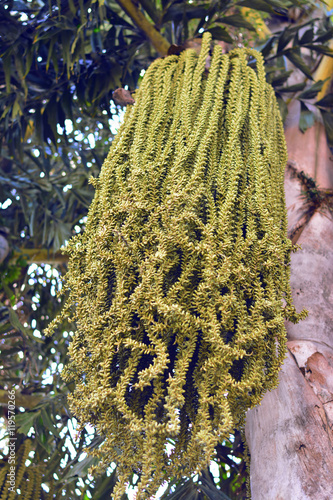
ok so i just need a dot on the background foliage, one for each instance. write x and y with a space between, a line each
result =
60 61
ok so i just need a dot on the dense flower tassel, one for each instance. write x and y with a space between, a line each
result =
179 285
17 475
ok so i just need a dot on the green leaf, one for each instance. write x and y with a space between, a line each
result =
282 107
281 6
220 33
55 458
10 352
7 69
307 37
280 62
311 92
96 41
236 20
39 129
20 6
325 37
66 102
55 63
328 124
72 7
24 421
267 48
16 108
293 88
257 5
307 118
51 117
47 34
50 52
83 17
82 199
325 102
280 79
322 49
61 232
210 490
179 11
284 39
47 422
296 43
66 37
105 487
44 441
185 490
14 320
28 60
81 468
298 62
5 328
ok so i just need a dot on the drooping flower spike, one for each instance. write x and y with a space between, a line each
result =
179 285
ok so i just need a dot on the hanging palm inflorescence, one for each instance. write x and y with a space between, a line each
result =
16 475
179 285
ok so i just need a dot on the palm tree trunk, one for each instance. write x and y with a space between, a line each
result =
290 436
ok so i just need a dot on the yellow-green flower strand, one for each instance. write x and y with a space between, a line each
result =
28 478
179 285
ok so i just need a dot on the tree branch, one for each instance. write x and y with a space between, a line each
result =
41 256
156 39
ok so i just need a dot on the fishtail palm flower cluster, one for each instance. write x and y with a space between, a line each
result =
14 474
179 285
